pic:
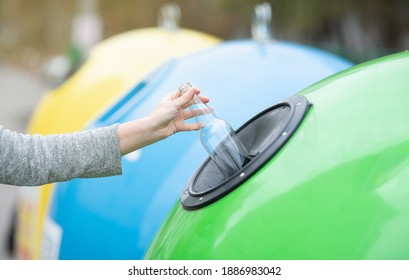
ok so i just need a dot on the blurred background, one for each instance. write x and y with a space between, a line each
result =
32 32
359 30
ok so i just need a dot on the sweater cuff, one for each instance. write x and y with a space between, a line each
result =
111 153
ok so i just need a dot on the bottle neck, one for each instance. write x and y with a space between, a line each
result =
202 113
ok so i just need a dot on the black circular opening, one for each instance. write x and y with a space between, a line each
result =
263 136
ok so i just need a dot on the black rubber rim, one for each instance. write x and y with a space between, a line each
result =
299 107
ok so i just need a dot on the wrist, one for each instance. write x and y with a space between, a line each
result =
152 128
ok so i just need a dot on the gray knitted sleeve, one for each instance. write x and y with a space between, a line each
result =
33 160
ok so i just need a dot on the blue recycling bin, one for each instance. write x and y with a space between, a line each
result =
118 217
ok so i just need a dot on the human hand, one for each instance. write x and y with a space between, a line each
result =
166 119
169 115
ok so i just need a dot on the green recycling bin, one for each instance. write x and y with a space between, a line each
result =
329 178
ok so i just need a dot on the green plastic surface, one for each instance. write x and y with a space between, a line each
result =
339 189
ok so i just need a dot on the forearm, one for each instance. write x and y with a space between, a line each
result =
136 134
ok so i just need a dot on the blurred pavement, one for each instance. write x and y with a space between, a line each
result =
19 94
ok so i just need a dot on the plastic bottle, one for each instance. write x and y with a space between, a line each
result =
217 136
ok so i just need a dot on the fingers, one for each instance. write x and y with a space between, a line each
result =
175 94
203 98
183 100
189 126
196 90
188 114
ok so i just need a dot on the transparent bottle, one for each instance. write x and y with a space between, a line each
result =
217 136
